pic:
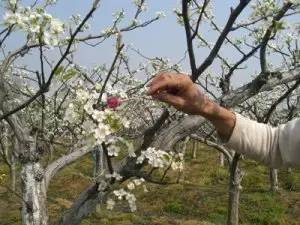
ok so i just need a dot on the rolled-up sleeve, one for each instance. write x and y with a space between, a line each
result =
274 146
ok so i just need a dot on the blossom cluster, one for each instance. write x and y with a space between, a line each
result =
264 8
96 123
126 194
161 159
115 175
37 23
156 158
141 4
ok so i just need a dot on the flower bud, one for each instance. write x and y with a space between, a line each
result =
113 102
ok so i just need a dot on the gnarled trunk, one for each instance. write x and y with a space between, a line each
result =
194 149
222 159
274 180
12 174
83 206
234 192
34 210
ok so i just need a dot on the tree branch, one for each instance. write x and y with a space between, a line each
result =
209 60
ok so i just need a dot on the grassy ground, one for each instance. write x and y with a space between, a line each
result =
199 199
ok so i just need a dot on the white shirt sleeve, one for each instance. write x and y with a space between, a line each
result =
274 146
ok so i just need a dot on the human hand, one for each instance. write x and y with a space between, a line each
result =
179 91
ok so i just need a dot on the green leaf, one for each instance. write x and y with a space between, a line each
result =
58 70
69 74
278 25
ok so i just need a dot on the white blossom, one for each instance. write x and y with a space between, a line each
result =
115 175
113 150
130 186
37 24
131 201
12 2
101 132
156 158
160 14
120 193
138 182
110 204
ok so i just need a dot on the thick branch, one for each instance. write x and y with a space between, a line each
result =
63 161
189 37
209 60
279 100
268 35
220 148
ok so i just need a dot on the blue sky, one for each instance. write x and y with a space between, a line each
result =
164 38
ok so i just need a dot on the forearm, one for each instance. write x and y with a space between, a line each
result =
222 119
259 141
256 140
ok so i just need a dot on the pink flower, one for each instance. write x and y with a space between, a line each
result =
113 102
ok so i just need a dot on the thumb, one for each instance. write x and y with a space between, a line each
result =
170 99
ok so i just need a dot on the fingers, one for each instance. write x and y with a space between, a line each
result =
170 82
173 100
157 78
163 82
164 85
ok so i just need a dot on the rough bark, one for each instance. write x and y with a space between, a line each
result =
100 164
83 205
34 210
12 173
222 159
194 149
234 192
274 180
63 161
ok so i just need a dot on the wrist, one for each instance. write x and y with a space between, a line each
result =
223 119
208 108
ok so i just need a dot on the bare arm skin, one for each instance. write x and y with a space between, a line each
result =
179 91
274 146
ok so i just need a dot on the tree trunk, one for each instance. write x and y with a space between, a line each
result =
222 159
274 180
99 160
234 192
84 204
12 173
195 146
34 210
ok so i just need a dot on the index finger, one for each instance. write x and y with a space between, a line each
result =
157 78
161 84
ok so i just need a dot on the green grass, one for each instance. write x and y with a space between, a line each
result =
200 196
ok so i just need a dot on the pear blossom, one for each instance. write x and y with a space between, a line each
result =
13 2
110 204
37 24
115 175
145 189
113 150
138 182
131 186
131 201
160 14
120 193
101 132
82 95
156 158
